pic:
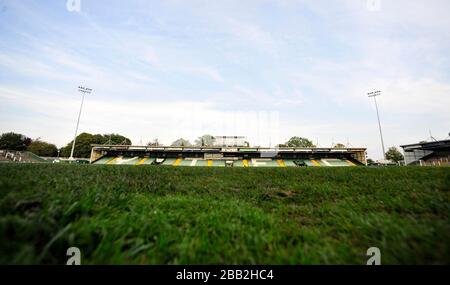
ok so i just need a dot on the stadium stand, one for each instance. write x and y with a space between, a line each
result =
227 156
337 162
308 162
146 161
170 161
435 153
20 156
104 159
289 163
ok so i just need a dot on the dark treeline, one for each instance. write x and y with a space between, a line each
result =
20 142
15 141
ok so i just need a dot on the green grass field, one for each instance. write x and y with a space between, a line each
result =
168 215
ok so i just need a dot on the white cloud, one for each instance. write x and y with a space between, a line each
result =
209 72
251 34
151 57
135 119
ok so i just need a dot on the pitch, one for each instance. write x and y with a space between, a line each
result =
200 215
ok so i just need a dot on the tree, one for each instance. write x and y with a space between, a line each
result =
370 161
116 139
339 145
42 148
155 142
181 142
394 154
298 142
14 141
82 145
84 141
205 140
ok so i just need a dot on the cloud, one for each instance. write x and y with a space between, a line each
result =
151 57
136 119
251 34
209 72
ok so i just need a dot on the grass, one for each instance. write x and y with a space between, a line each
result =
167 215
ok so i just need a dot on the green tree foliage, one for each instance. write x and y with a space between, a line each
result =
394 154
205 140
181 142
14 141
116 139
155 142
339 145
85 140
370 161
298 142
42 148
82 145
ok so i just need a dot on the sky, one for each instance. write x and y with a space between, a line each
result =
268 70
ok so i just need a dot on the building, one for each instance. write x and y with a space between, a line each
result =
230 141
239 156
435 153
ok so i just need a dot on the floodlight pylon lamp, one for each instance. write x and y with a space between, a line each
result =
374 94
83 90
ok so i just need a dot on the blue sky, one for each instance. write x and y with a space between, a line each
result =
265 69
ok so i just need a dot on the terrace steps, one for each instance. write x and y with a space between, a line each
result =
193 162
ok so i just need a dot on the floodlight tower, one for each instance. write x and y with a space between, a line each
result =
374 94
83 90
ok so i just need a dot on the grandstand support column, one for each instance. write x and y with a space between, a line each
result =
374 95
83 90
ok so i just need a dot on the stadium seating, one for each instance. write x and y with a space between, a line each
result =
104 160
240 163
201 163
145 161
169 161
309 162
185 162
264 163
289 163
20 156
220 163
258 162
127 161
336 162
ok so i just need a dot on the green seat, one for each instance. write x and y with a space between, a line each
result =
145 161
265 163
238 163
103 160
169 161
289 163
149 161
127 160
337 162
185 162
219 163
201 162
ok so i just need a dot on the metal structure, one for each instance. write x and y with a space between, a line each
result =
374 94
231 141
83 90
435 153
